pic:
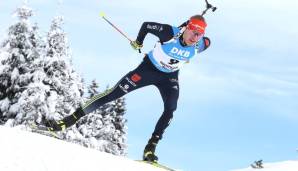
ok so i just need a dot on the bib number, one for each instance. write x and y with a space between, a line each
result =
173 61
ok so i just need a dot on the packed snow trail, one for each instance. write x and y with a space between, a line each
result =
26 151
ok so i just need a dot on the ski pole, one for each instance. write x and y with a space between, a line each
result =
102 14
115 27
208 6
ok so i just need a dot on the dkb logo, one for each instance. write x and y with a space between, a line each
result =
180 52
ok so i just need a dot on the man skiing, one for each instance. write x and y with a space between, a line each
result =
160 67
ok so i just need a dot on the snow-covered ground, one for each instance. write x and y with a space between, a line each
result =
26 151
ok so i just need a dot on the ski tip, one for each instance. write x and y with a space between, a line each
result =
102 14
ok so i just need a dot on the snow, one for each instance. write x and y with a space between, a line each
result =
22 151
3 55
279 166
4 104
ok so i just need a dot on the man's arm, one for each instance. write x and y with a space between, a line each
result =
163 31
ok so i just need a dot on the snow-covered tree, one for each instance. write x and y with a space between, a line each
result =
92 89
23 96
38 82
119 123
60 74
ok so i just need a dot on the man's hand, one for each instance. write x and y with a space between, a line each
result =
136 45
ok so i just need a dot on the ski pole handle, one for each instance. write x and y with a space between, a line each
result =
208 6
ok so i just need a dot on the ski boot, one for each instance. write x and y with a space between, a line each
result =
65 122
149 151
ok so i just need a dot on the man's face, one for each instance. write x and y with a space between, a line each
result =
191 37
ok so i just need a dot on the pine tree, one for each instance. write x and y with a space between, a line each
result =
23 96
60 75
38 82
92 89
65 83
119 123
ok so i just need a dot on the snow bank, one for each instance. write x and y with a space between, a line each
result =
26 151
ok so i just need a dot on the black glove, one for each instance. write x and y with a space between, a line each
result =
136 45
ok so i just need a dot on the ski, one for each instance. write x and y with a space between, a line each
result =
43 130
156 165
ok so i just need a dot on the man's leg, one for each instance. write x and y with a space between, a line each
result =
131 81
169 91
